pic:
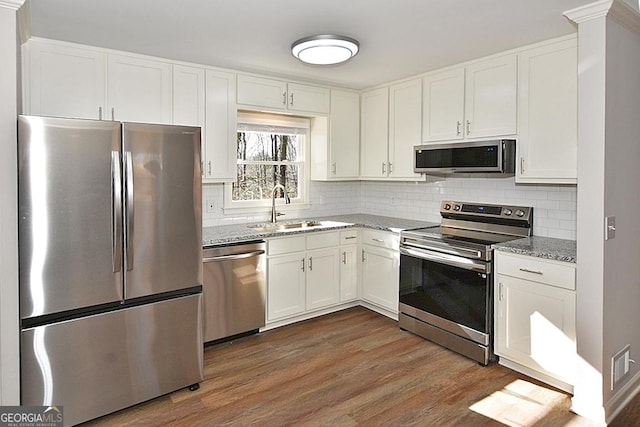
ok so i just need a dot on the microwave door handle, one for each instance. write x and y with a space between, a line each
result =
453 261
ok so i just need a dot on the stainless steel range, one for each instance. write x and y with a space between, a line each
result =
446 279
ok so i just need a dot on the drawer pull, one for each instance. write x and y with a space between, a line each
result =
526 270
378 240
350 237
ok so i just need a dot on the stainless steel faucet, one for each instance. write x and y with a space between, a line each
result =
287 200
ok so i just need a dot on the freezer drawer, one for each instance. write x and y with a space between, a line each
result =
234 287
99 364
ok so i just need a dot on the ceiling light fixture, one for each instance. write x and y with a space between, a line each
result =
325 49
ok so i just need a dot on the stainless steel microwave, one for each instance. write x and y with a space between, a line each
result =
495 156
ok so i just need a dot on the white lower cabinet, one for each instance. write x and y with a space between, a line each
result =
380 269
348 265
303 274
535 310
286 279
323 278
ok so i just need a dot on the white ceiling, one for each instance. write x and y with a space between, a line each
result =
398 38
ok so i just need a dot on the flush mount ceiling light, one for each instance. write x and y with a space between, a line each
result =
325 49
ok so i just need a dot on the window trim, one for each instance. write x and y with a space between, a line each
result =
276 120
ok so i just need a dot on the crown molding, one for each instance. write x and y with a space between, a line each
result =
618 10
625 15
11 4
589 11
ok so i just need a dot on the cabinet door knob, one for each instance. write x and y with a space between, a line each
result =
522 165
302 260
113 114
344 257
458 124
468 127
99 113
284 98
310 263
291 96
384 168
364 257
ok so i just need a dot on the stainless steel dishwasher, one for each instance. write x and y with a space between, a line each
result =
234 289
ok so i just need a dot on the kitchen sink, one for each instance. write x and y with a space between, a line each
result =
283 226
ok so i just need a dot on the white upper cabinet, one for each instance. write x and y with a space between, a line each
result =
443 105
547 114
280 96
221 125
139 90
335 140
391 126
188 96
63 81
374 116
405 127
491 98
476 101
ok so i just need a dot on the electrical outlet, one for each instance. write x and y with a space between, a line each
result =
620 365
211 206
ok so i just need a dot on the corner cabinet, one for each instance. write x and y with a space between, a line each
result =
391 122
278 95
475 101
535 317
335 140
547 114
62 80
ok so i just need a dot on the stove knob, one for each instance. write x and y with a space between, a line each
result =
456 207
447 206
507 212
520 213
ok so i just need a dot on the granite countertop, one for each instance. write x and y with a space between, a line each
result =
541 247
222 234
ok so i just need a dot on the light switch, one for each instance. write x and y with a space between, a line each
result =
610 228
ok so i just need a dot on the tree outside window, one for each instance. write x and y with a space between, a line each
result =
264 160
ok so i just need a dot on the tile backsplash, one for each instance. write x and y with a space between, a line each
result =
554 205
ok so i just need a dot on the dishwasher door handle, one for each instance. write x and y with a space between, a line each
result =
233 256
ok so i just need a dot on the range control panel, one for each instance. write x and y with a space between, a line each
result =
448 208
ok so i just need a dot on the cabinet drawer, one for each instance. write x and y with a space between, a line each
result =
323 240
382 239
349 237
285 245
554 273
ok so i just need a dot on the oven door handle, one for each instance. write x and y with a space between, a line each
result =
454 261
441 248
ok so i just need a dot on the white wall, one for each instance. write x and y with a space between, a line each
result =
622 171
554 206
9 351
608 272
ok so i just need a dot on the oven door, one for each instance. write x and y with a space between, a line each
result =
448 291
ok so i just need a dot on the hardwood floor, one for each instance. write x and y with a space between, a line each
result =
351 368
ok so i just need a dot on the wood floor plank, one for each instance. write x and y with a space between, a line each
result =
352 368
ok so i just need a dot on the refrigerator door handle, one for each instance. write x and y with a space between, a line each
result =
129 209
116 212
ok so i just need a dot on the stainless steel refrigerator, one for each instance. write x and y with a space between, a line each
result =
110 241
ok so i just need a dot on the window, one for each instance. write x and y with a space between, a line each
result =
271 150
